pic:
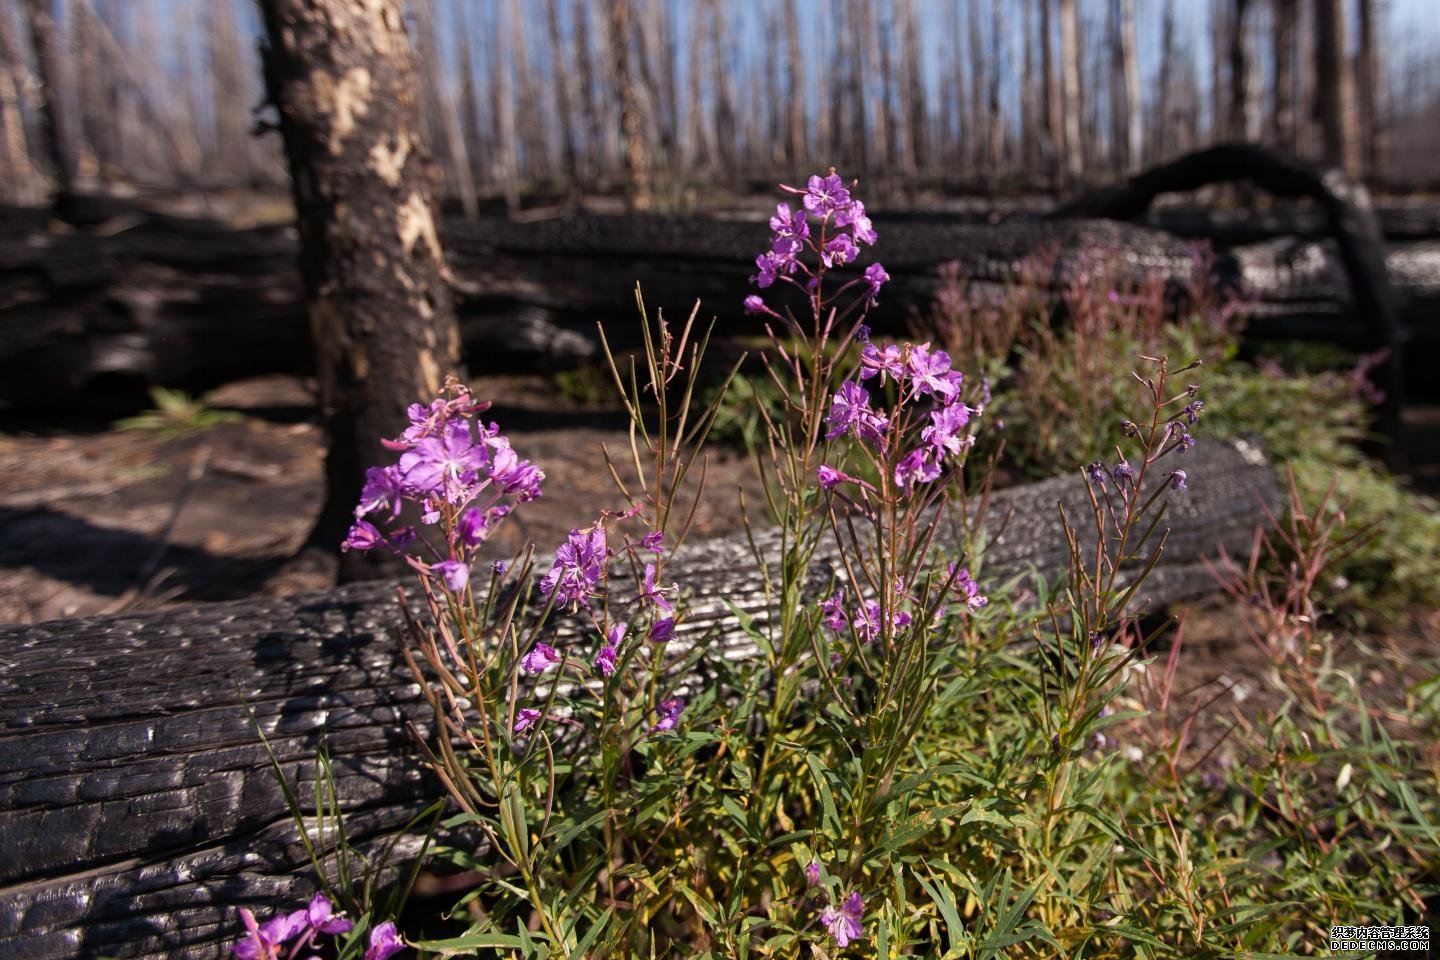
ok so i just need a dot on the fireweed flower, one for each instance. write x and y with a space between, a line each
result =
669 712
945 424
965 587
454 573
652 593
824 195
839 250
382 490
540 658
265 940
363 535
834 610
812 873
867 623
850 408
882 361
829 477
513 475
385 942
754 304
663 631
853 216
916 467
930 373
579 562
654 541
789 230
606 659
845 924
876 277
443 464
525 717
472 530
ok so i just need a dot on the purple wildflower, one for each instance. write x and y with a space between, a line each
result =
513 475
263 941
471 530
845 924
524 719
454 573
854 217
916 467
1193 410
789 231
754 304
654 541
824 195
876 277
851 408
769 267
966 587
445 463
540 658
930 373
579 562
321 919
649 591
834 610
1095 470
669 711
1123 472
385 942
498 568
812 873
829 477
663 631
867 624
381 490
945 424
1177 480
881 360
606 659
363 536
839 251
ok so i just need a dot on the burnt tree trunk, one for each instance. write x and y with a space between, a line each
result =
344 81
1335 93
54 129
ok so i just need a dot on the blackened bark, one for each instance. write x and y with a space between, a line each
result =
343 79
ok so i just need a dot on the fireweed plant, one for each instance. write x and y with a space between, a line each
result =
902 758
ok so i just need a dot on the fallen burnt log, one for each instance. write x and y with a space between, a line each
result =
140 811
98 314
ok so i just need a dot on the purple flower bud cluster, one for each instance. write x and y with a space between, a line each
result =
452 469
831 225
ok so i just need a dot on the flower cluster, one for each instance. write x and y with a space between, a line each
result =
919 373
452 469
264 941
577 577
830 224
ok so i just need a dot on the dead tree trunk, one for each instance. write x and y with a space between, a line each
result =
1335 88
795 84
343 79
54 120
1282 115
561 81
1240 90
1130 78
19 180
229 95
632 121
1070 82
1050 92
1368 79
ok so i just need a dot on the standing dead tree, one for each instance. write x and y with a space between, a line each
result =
343 79
1335 90
54 118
